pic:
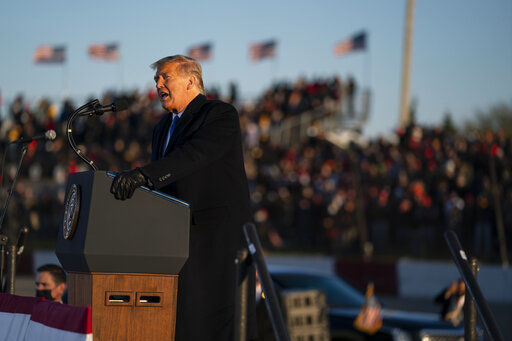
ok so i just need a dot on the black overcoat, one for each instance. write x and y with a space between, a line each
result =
203 165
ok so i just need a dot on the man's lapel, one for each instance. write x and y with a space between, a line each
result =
185 119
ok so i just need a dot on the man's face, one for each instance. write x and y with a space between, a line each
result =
172 88
44 281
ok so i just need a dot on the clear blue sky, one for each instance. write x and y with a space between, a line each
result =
462 50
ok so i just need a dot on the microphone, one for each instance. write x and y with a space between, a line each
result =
49 135
101 109
21 240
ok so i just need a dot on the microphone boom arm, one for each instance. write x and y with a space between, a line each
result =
4 236
69 134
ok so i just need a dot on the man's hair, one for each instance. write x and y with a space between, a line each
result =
186 67
57 273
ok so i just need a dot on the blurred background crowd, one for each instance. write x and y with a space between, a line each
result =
384 196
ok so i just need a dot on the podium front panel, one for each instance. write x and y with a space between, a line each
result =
148 233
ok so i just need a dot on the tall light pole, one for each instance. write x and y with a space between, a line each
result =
405 117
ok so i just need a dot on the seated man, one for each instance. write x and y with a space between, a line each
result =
51 282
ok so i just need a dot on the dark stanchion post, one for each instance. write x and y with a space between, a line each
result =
241 295
461 260
274 310
470 316
15 251
12 270
3 244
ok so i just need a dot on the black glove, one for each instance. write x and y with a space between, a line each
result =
126 182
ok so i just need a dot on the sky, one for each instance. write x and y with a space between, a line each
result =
461 56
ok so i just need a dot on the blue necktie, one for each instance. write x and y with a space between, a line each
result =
171 129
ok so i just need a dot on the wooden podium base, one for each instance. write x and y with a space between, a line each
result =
127 306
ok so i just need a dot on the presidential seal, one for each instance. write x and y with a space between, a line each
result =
71 211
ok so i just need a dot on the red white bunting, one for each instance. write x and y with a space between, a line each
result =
30 318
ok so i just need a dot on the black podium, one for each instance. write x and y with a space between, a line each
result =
123 257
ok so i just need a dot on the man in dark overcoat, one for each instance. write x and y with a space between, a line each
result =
197 157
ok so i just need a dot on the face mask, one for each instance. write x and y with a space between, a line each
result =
46 293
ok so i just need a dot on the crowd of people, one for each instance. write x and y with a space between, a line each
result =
402 192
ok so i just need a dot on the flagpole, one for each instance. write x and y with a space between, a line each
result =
367 73
274 69
406 66
366 93
1 104
64 81
120 70
211 73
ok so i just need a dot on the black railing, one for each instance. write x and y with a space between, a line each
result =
461 260
244 261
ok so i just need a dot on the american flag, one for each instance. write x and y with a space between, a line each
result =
50 54
354 43
369 319
108 52
201 51
259 51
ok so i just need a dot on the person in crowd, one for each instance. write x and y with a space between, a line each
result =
51 282
451 300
